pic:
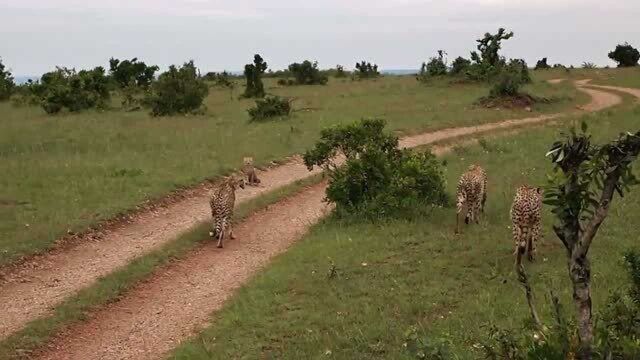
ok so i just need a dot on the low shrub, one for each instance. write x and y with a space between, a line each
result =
270 107
378 179
437 66
75 91
542 64
365 70
459 66
307 73
177 91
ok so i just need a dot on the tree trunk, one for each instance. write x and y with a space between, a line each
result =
580 273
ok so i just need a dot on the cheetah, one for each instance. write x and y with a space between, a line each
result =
471 195
525 218
249 170
222 203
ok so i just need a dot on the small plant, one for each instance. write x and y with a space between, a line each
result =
426 349
131 72
6 83
177 91
459 65
542 65
625 55
253 73
270 107
378 179
307 73
364 70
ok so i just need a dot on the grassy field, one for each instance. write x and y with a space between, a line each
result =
396 274
68 172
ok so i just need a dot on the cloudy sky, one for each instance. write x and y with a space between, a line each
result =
36 35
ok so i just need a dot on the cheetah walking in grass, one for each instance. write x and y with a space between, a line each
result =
222 203
526 218
250 171
471 195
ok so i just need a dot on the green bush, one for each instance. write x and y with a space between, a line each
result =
437 66
378 179
307 73
26 94
6 83
364 70
75 91
131 72
460 65
542 64
625 55
339 72
253 73
510 79
270 107
177 91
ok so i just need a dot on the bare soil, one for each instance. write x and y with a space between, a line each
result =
155 316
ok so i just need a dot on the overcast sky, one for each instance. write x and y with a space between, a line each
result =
36 35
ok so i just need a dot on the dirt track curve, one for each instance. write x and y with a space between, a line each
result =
154 317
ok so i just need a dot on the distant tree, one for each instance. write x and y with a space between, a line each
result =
307 73
459 65
340 73
588 65
625 55
131 72
177 91
542 65
365 70
6 83
253 74
488 62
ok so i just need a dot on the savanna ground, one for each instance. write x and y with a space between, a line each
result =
351 289
68 172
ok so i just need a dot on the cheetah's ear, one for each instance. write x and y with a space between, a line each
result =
540 190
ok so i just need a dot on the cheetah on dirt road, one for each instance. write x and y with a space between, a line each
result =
222 203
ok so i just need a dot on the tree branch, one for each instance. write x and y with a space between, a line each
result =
582 247
524 280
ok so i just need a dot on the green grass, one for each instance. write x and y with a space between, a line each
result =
69 172
398 273
625 77
114 285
